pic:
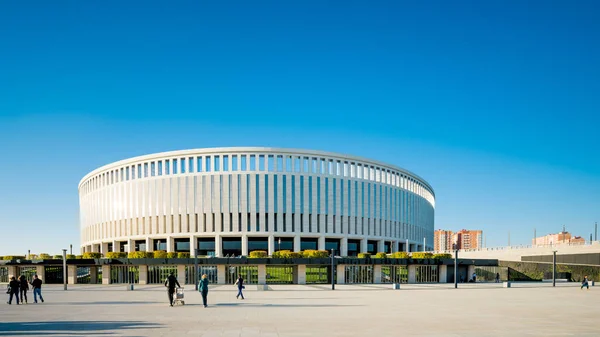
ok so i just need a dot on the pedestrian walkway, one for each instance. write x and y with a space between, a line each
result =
485 309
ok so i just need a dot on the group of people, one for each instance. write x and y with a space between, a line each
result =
18 288
172 284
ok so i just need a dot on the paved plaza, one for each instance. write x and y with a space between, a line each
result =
529 309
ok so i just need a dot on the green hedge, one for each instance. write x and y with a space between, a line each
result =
160 254
364 255
90 255
57 257
315 254
183 255
380 255
421 255
13 257
258 254
140 255
79 257
44 256
401 255
171 255
115 255
442 256
286 254
70 256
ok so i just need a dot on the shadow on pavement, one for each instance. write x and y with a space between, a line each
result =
246 304
103 303
71 327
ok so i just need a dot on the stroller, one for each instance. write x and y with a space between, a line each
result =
179 296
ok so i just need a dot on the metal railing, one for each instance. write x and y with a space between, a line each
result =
394 274
158 274
248 273
210 271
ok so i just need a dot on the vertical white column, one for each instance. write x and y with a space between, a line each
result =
297 243
306 204
218 246
298 203
322 223
321 242
234 199
244 200
271 244
280 205
344 246
252 202
261 201
271 198
225 200
244 244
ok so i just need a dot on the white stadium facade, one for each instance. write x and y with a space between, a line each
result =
231 201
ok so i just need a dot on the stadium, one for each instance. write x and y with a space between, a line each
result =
231 201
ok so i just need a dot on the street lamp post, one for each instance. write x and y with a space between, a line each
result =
71 246
554 268
65 268
455 246
332 271
196 268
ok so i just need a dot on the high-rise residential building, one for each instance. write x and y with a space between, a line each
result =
560 238
464 239
442 240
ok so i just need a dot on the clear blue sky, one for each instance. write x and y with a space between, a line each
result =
495 103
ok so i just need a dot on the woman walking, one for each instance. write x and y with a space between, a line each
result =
240 285
203 289
23 288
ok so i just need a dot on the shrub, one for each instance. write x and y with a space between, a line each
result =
140 255
70 256
90 255
44 256
14 257
400 255
31 257
422 255
79 257
256 254
57 257
276 255
364 255
171 255
160 254
380 255
315 254
183 255
115 255
442 256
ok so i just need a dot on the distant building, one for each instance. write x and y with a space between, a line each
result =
560 238
464 239
442 240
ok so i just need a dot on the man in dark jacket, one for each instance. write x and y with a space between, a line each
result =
170 283
37 288
14 290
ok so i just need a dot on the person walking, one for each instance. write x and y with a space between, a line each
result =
203 289
497 277
474 277
240 285
170 283
13 290
24 286
585 283
36 283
